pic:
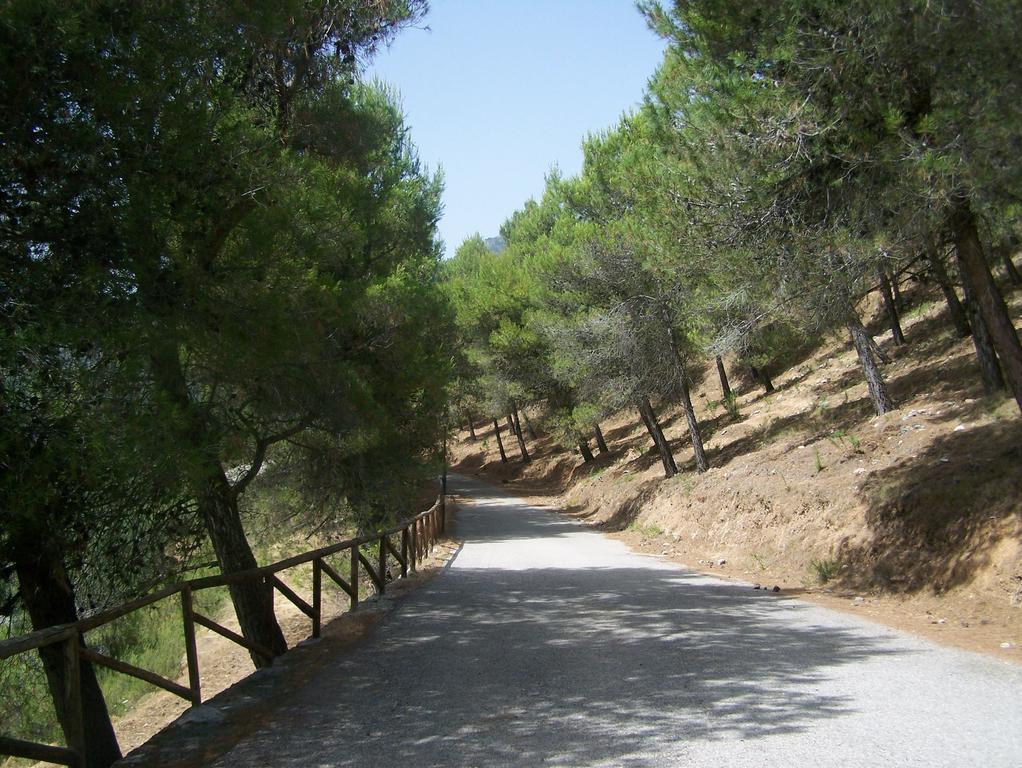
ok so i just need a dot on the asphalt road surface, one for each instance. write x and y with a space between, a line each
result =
545 643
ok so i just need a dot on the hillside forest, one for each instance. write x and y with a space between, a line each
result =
224 307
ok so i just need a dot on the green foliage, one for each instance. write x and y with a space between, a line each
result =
824 571
729 403
218 258
648 531
839 437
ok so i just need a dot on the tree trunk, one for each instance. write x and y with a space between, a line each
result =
583 447
648 423
989 368
686 401
518 432
878 353
218 505
892 309
991 304
500 443
874 379
600 442
471 429
1005 249
954 306
48 598
522 452
693 428
511 431
252 598
725 385
528 425
659 439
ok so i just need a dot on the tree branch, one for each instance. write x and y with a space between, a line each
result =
262 445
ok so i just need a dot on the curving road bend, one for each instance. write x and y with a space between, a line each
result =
545 643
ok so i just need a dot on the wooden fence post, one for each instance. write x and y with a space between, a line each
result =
74 714
383 563
443 493
191 650
414 533
317 597
354 577
404 552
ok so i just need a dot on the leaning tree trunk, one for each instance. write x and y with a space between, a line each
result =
48 598
891 306
252 598
659 439
874 379
500 443
1005 249
511 431
693 428
218 505
989 368
686 400
600 442
954 306
523 452
518 432
725 385
991 304
583 448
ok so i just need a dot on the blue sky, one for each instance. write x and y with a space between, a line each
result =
498 91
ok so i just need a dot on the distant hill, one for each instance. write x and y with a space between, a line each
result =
495 244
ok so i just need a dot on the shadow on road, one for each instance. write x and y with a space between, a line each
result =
574 667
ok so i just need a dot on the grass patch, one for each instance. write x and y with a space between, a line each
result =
760 561
728 403
840 437
817 460
649 530
824 570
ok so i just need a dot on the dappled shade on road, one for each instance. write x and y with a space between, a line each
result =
547 643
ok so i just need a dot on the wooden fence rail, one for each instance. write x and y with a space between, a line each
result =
418 534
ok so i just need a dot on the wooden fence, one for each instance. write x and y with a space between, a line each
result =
418 535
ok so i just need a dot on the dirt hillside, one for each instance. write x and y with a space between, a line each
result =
914 518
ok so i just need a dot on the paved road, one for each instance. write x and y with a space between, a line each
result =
548 644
